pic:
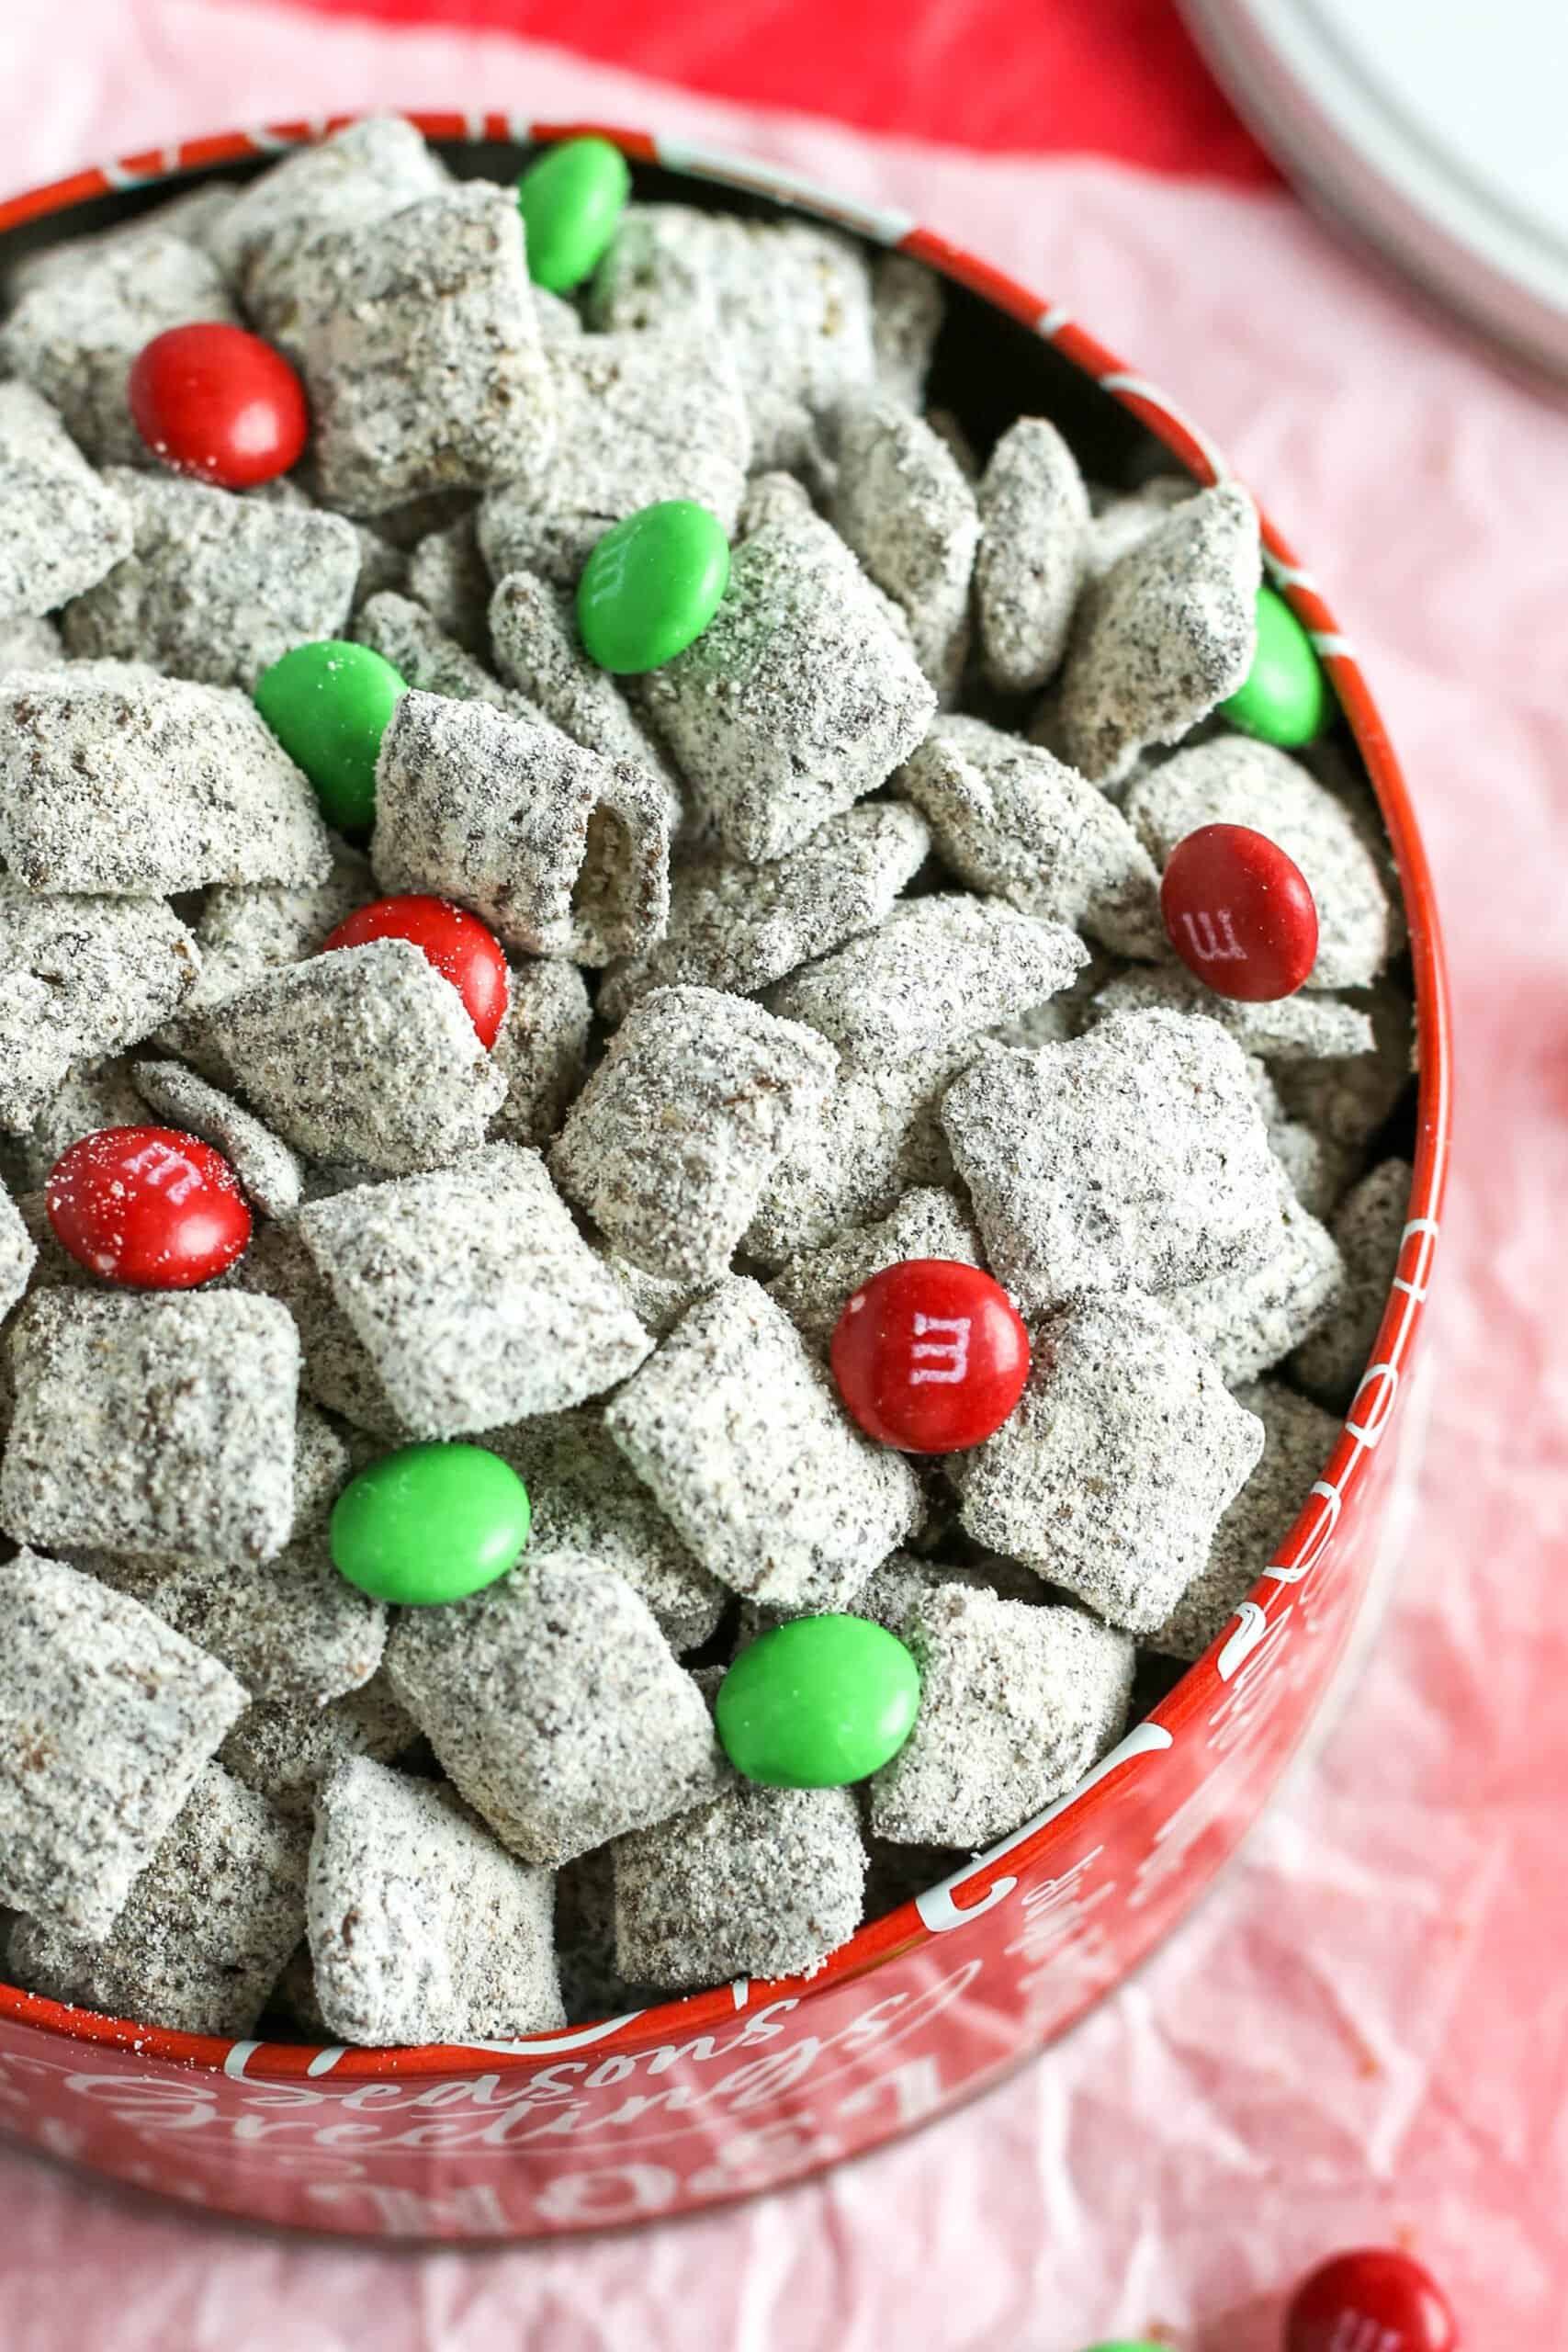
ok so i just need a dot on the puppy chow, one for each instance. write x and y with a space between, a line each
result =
113 780
247 931
498 1683
1034 532
161 1423
939 970
798 698
813 1284
640 418
670 1146
1298 1440
421 352
761 1883
106 1718
365 1055
906 309
1011 820
288 1748
90 1096
557 850
1135 1155
28 643
738 927
902 504
65 526
270 1173
335 1369
1121 520
1236 781
362 173
1119 1463
1248 1320
1300 1028
791 304
204 1930
1167 634
73 335
1368 1229
738 1434
427 659
1345 1102
1017 1703
215 587
542 1051
535 634
19 1254
79 978
447 574
422 1928
472 1293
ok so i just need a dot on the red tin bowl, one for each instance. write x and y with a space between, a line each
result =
670 2110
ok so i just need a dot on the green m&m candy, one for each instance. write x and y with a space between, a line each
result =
818 1704
1284 696
430 1523
327 704
571 200
651 585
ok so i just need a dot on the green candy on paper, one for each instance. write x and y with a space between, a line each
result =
430 1524
1284 699
327 704
651 586
818 1704
571 200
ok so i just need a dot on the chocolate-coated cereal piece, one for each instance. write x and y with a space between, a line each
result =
80 978
447 574
209 1376
365 1055
1121 519
19 1254
1135 1155
270 1174
421 351
1298 1440
207 1926
537 646
65 526
114 780
1011 818
247 931
1124 1453
907 308
90 1096
1237 781
1165 636
427 660
1300 1028
1017 1702
640 418
216 587
28 644
361 174
1249 1320
473 1293
542 1051
798 698
497 1684
671 1144
762 1883
558 851
902 504
423 1929
286 1748
813 1286
735 1429
106 1718
334 1367
1034 528
1368 1226
939 970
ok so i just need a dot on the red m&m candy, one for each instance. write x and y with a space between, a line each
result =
455 942
1240 913
1375 2300
147 1206
929 1355
211 400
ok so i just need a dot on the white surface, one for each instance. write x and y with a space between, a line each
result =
1435 127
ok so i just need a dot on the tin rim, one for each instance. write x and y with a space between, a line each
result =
985 1880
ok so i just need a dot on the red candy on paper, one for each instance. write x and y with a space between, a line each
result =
929 1355
462 950
1374 2300
212 400
1240 913
147 1206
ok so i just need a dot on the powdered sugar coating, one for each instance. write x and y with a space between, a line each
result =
814 1285
735 1429
204 1930
286 1748
496 1683
64 527
1304 1027
542 1051
672 1142
1017 1702
907 307
270 1173
902 504
537 647
1124 1453
19 1254
1034 527
423 1929
1249 1320
1368 1229
106 1718
363 173
1165 636
447 574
